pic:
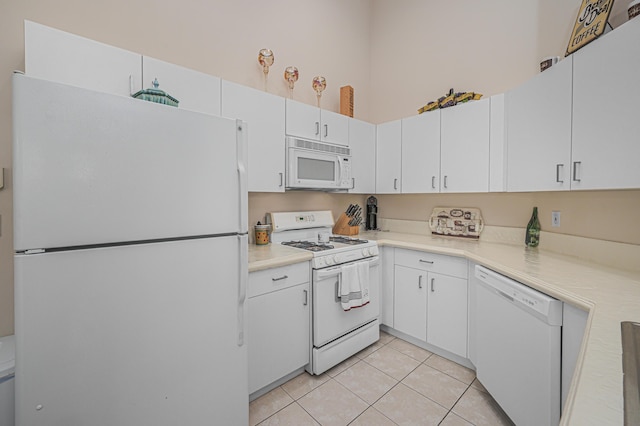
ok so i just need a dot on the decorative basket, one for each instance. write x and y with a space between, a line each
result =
156 95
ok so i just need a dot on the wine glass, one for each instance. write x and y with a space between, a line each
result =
319 84
291 75
265 58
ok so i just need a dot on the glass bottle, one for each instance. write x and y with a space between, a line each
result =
532 237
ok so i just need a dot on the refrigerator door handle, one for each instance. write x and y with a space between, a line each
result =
243 271
242 144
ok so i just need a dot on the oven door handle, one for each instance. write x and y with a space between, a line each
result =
337 270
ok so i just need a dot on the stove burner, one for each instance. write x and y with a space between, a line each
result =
308 245
347 240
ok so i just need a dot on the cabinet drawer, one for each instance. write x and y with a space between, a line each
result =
268 280
443 264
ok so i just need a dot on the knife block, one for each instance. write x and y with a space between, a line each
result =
342 227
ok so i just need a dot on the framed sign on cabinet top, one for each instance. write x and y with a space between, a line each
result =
590 23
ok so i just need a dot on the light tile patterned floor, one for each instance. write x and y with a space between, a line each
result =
392 382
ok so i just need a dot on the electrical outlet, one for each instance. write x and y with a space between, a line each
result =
555 219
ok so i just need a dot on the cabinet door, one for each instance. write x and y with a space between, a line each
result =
278 334
447 313
421 153
538 115
335 128
362 141
386 285
388 158
497 146
59 56
264 114
302 120
195 90
605 111
464 158
410 302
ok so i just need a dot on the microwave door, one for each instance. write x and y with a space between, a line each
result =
313 170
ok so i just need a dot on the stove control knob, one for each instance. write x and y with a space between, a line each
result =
365 252
329 260
336 259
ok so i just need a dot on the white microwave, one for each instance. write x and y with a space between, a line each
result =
317 165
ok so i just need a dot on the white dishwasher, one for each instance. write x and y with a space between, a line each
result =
518 338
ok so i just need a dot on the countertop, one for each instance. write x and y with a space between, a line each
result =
610 295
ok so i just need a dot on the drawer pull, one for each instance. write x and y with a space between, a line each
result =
420 281
432 280
284 277
430 262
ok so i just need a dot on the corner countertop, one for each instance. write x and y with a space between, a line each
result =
610 295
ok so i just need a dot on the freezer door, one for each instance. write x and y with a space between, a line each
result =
93 168
132 335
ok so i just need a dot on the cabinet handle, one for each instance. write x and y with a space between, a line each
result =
575 171
558 173
284 277
430 262
432 280
317 128
326 130
420 281
353 183
306 297
281 179
445 181
433 182
395 184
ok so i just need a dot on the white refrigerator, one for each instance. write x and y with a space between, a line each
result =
130 236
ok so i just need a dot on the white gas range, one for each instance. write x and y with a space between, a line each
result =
342 267
312 231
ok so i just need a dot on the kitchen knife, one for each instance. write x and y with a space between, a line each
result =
350 210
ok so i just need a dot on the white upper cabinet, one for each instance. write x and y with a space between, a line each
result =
59 56
334 127
606 141
362 141
538 116
421 153
264 114
195 91
310 122
497 146
464 145
388 157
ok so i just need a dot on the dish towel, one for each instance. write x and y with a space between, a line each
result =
354 285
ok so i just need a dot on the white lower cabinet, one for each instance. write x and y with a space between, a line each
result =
430 299
386 285
447 313
410 302
279 320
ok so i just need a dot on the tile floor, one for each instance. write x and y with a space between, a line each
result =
391 382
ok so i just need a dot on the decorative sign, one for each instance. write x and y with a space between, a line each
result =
456 222
590 23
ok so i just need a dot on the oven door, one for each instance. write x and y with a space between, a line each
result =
330 321
313 170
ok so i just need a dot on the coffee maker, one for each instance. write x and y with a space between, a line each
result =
372 214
